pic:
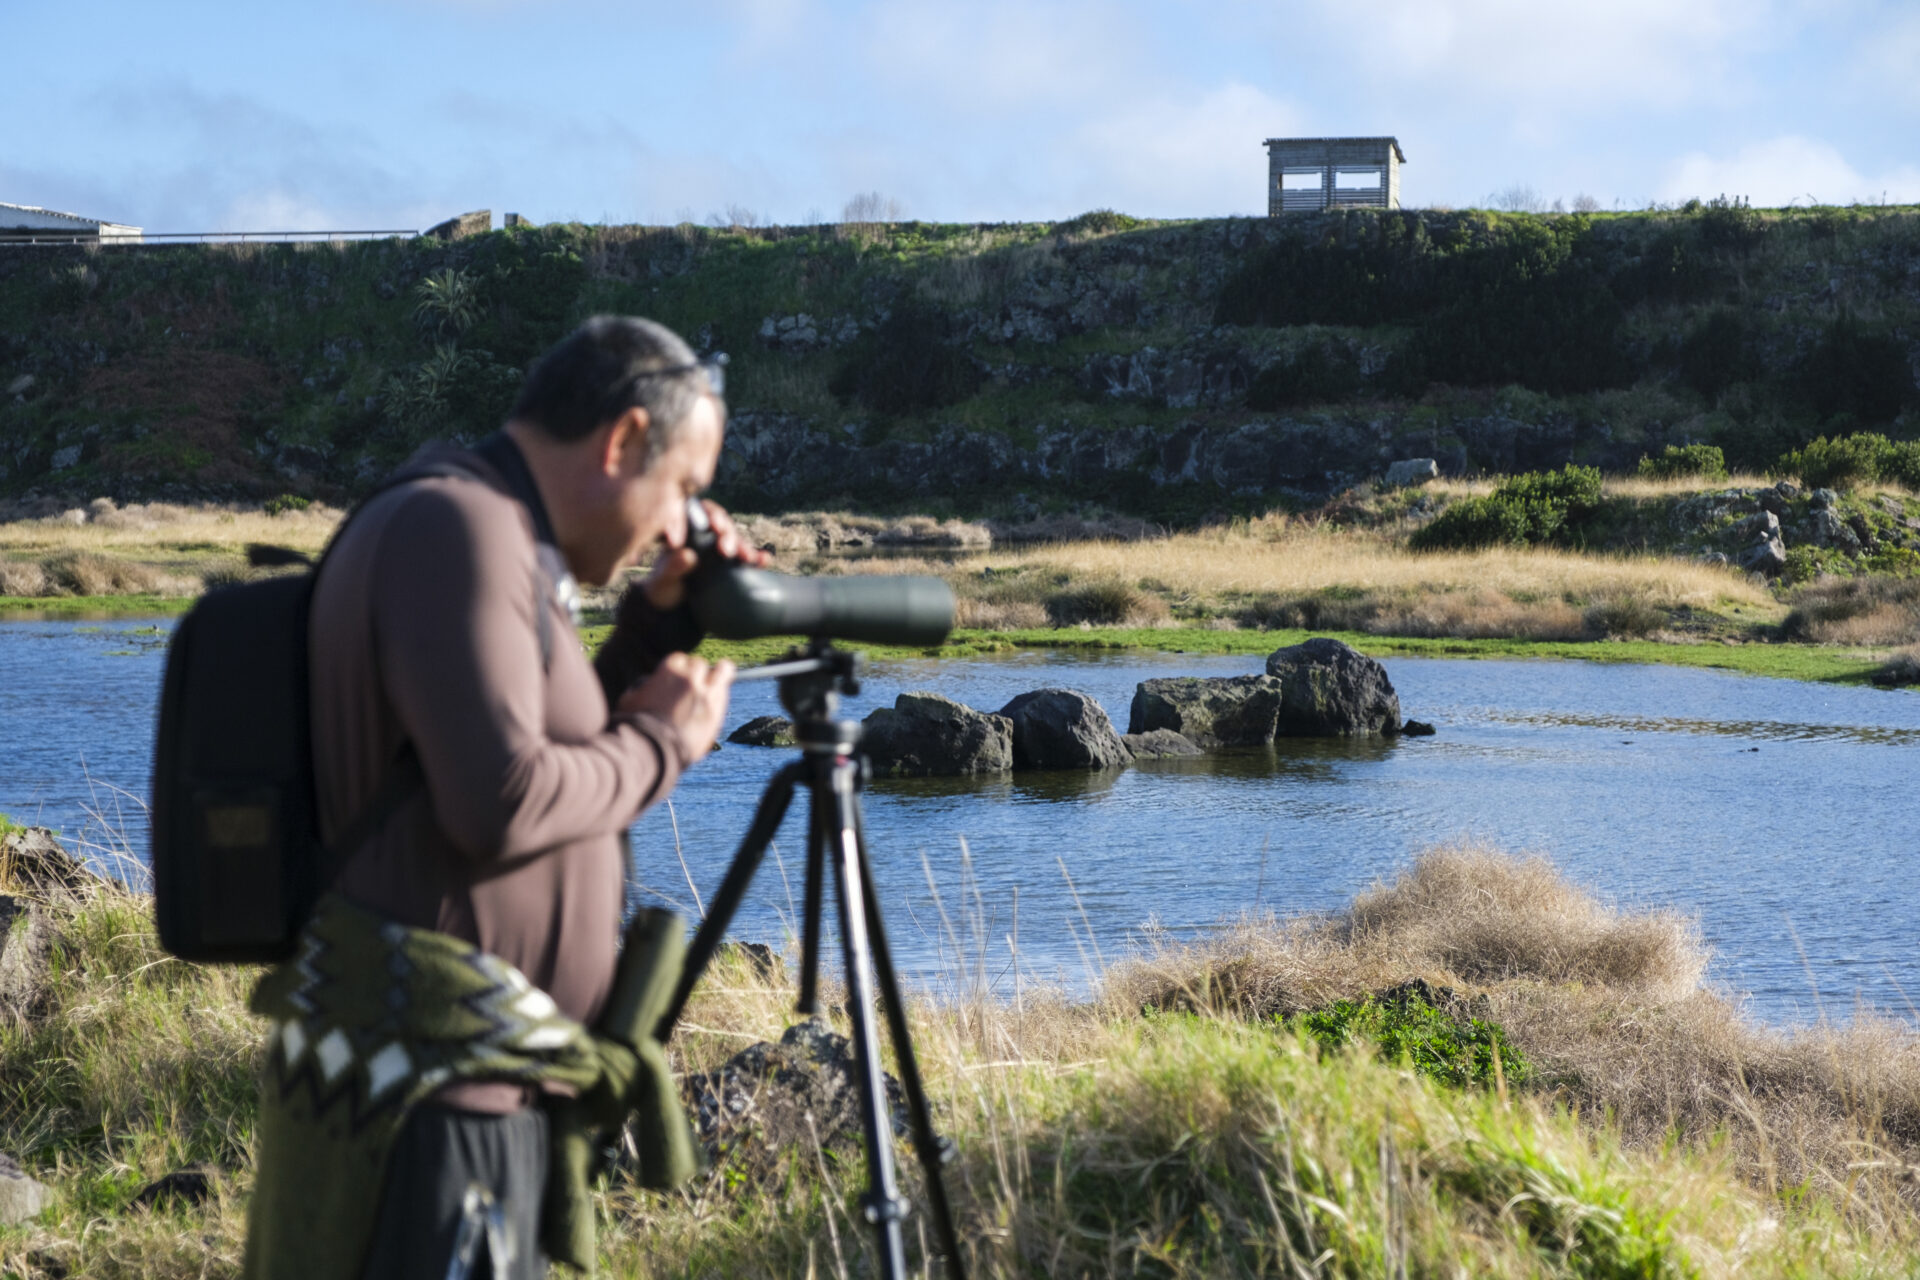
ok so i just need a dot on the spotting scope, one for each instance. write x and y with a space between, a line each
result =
733 602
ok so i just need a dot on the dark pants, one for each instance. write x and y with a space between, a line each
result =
439 1154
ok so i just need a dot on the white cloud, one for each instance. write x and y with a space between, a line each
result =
1787 169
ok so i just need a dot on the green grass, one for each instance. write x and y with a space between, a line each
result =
1410 1032
1092 1141
1785 661
94 607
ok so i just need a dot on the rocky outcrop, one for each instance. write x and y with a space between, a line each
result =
1331 690
1232 711
39 867
1062 729
770 1098
1412 471
1159 744
924 734
764 731
21 1198
27 934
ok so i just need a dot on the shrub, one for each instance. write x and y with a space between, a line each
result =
1627 615
1838 463
1105 602
1575 488
1717 353
1099 222
1857 370
907 365
1454 1051
1900 464
1492 300
1475 522
1730 224
1526 509
1316 374
1678 461
284 503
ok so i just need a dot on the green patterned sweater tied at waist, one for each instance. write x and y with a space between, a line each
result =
371 1017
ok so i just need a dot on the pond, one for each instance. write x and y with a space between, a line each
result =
1782 814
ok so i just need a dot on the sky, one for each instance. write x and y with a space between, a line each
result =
215 115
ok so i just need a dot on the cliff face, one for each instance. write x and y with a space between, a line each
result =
1170 370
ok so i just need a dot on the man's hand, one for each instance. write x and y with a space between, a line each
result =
666 585
688 693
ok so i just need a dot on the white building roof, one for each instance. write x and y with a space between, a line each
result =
28 216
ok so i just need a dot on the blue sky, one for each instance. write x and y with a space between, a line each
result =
200 115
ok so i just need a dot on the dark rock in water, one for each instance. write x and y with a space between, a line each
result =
925 734
1231 711
21 1197
1331 690
1062 729
1418 729
191 1185
771 1097
1159 744
764 731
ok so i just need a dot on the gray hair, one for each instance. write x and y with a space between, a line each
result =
608 365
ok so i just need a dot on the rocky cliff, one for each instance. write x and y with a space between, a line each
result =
1169 370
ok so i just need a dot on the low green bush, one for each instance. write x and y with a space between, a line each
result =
1474 522
1841 462
279 506
1453 1051
1099 222
1318 374
1900 464
1677 461
1529 509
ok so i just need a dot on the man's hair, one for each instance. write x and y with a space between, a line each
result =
604 368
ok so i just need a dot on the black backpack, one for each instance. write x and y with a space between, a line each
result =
238 862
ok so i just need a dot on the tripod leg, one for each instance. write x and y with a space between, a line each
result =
884 1205
753 847
819 835
934 1151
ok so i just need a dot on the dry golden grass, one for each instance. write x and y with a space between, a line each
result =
1610 1008
1276 556
145 548
1866 611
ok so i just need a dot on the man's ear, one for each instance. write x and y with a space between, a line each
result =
629 431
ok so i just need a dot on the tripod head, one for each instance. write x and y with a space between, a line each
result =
813 678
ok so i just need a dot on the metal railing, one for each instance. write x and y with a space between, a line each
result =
51 237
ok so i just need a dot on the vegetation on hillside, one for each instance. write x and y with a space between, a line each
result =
1492 341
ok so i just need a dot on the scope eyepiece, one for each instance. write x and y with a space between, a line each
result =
734 602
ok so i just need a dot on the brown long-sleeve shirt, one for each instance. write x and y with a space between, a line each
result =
424 631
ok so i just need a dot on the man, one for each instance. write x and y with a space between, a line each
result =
442 649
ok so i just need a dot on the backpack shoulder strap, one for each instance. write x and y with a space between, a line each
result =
406 775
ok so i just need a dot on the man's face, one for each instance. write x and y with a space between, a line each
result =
648 503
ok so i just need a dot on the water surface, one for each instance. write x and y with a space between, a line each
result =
1783 814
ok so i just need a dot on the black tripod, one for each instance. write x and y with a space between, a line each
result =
830 764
